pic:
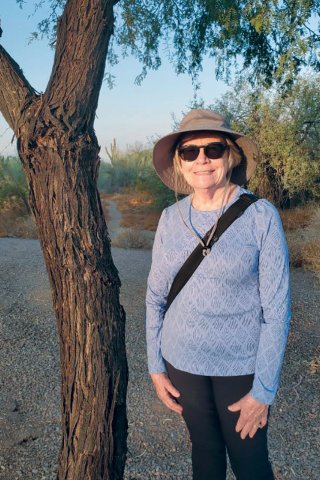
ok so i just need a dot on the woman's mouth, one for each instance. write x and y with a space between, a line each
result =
204 172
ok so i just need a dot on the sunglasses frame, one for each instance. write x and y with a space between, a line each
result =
205 147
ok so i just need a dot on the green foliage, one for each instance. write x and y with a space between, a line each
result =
47 27
133 170
13 184
115 178
286 129
125 168
270 39
151 183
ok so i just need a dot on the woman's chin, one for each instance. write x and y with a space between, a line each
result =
204 184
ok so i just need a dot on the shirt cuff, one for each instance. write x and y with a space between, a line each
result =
262 394
158 367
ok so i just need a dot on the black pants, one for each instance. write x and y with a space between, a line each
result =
212 427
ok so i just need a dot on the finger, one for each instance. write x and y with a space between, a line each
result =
163 384
167 399
171 389
248 427
235 407
245 425
263 422
253 431
242 421
170 403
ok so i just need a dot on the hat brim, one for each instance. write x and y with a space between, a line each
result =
164 151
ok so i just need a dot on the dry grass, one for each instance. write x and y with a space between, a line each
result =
137 211
314 364
298 217
304 243
311 255
14 222
132 238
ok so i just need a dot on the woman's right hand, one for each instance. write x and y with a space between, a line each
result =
166 392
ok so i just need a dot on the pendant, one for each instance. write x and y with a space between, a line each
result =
206 251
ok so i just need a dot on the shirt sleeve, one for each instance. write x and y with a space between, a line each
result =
156 297
275 301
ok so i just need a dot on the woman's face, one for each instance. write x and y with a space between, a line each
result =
204 173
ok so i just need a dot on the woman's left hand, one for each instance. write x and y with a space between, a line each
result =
253 415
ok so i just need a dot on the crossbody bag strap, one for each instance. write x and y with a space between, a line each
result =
196 257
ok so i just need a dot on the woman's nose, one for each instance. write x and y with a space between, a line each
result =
202 158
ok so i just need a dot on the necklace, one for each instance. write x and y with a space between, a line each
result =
206 249
205 245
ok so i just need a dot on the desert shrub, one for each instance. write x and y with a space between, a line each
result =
286 128
124 168
132 171
298 217
132 238
310 253
14 222
114 178
15 214
149 182
13 184
304 241
137 210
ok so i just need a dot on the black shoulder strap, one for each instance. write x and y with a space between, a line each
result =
196 257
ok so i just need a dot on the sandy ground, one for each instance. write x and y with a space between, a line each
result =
158 444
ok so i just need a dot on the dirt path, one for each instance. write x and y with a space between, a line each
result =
115 229
158 445
114 219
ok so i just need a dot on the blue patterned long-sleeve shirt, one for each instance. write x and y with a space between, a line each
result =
232 317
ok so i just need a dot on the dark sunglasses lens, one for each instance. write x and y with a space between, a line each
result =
215 150
189 154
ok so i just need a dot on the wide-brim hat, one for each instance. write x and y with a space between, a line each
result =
200 120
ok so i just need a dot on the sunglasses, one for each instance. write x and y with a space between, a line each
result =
213 151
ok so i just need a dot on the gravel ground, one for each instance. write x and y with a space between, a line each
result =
158 443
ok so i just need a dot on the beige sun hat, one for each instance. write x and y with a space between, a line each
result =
201 120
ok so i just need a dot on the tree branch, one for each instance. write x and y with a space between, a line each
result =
313 34
83 34
15 90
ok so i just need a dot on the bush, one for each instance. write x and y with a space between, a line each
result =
13 184
298 217
286 129
132 238
115 178
15 223
304 241
124 168
133 171
149 182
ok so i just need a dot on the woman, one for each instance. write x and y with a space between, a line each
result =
215 355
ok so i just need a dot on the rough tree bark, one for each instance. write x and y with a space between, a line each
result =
59 153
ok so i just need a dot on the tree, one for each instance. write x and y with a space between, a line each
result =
286 128
59 153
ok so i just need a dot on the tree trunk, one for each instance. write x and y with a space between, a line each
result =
90 320
59 153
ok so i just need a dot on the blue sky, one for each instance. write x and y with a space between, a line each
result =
128 113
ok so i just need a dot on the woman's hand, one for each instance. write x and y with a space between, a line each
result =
253 415
166 391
